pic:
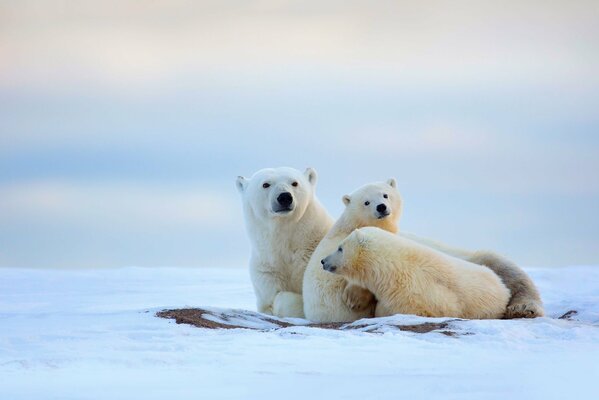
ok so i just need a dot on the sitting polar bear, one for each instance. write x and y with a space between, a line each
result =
409 278
285 222
328 297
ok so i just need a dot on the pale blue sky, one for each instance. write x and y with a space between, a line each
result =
124 124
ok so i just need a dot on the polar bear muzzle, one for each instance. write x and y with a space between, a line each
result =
284 203
328 265
382 210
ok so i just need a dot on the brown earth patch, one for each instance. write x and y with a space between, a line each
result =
569 315
235 319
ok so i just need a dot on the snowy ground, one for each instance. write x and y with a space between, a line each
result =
93 335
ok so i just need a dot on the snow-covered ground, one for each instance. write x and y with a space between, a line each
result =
92 334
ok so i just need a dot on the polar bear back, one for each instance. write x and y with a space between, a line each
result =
410 278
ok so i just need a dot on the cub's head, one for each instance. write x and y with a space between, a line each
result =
278 192
347 259
376 204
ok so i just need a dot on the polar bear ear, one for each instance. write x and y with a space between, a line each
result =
311 176
360 236
392 182
346 199
241 183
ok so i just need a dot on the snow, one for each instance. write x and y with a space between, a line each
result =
92 334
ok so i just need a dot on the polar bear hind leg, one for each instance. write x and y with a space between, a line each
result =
525 301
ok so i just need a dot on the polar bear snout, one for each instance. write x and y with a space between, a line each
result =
382 210
284 203
285 199
327 265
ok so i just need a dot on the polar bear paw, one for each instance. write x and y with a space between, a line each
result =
524 309
358 298
288 305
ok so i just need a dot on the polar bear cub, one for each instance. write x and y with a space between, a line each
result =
328 297
409 278
285 222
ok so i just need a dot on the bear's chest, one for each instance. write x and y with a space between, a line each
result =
287 265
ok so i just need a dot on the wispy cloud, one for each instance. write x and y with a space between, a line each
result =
117 206
129 44
123 123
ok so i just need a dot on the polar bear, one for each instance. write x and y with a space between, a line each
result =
525 300
285 222
328 297
409 278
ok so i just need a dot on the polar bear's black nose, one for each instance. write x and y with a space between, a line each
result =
381 208
285 199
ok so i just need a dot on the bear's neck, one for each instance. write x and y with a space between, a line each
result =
346 225
374 279
312 226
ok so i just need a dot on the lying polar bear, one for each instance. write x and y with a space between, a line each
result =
409 278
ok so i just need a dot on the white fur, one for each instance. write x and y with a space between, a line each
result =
409 278
281 243
323 291
525 300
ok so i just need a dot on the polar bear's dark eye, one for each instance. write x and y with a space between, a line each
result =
340 250
385 196
266 185
294 184
367 203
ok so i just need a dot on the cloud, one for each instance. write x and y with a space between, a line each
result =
116 206
426 138
112 112
145 44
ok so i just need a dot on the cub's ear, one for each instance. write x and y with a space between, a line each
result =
311 176
392 182
346 199
360 236
241 183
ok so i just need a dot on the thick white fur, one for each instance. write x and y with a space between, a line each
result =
409 278
323 291
281 243
525 300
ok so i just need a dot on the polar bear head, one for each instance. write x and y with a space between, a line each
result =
376 204
281 193
358 253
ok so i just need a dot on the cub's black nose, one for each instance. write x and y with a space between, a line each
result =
285 199
322 261
381 208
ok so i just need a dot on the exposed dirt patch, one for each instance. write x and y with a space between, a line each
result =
569 315
241 319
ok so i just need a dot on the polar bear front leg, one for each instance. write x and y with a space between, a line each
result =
288 305
358 298
271 298
266 287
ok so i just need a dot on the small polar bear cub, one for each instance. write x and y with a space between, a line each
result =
328 297
409 278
